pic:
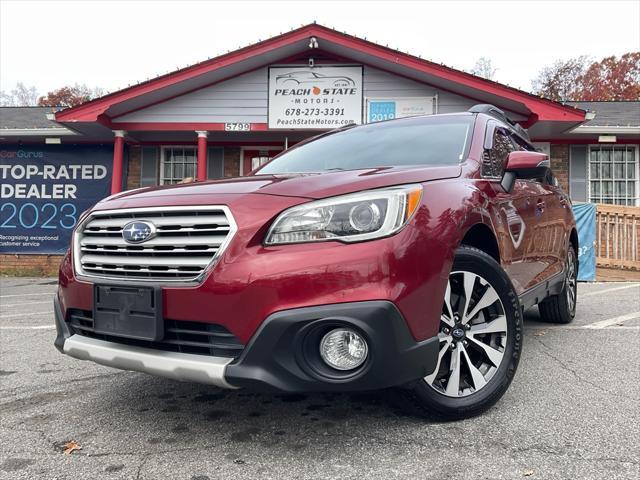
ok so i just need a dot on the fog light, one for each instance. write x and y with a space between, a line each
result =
343 349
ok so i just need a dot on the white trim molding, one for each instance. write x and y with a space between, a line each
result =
604 130
36 132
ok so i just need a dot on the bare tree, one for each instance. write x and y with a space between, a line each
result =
21 96
483 68
562 79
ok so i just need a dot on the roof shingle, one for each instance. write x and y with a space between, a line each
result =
26 117
611 114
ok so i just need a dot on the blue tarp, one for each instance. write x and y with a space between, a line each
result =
585 214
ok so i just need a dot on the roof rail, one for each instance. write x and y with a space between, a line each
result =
495 112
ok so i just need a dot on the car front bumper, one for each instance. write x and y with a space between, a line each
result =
282 355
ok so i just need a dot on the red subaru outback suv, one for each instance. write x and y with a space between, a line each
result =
395 254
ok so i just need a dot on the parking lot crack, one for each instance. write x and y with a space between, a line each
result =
557 451
549 353
143 462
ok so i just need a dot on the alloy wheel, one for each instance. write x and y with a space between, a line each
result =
473 336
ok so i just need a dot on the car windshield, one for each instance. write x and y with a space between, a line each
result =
437 140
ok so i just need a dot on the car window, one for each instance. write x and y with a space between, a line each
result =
437 140
548 179
494 161
520 144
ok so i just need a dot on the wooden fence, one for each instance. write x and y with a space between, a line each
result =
617 234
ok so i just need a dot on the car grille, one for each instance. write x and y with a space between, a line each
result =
187 240
184 337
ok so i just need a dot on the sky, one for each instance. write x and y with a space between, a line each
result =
111 44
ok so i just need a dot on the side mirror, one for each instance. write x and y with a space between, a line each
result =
524 164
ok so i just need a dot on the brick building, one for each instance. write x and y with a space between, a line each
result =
228 115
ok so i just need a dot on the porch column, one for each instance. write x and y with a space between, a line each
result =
201 173
118 150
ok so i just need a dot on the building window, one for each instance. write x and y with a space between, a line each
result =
177 163
613 174
259 161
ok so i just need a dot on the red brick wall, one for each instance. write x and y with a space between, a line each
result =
231 161
135 164
560 164
30 265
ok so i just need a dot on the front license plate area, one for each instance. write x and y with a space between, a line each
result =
131 312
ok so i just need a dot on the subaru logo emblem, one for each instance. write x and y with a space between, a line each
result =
138 232
458 332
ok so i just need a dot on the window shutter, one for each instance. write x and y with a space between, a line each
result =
149 167
578 173
215 163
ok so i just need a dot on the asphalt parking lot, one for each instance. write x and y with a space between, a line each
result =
573 411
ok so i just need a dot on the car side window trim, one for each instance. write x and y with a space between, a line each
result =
492 167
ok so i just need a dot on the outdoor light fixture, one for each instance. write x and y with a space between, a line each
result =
607 139
313 42
53 141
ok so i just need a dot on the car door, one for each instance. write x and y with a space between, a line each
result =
549 233
512 209
545 219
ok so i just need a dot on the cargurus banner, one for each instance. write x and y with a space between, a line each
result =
43 191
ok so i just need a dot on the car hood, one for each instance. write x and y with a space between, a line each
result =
308 185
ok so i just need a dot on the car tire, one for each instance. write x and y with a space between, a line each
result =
480 382
561 308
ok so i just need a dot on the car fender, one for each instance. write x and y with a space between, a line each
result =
459 205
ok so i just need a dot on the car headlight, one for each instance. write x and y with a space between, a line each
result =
348 218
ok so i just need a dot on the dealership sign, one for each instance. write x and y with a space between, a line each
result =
302 97
379 109
43 191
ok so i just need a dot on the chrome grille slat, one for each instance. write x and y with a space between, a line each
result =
211 240
173 261
144 272
161 230
149 251
186 220
187 241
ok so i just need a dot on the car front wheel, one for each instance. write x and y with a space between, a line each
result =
480 340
